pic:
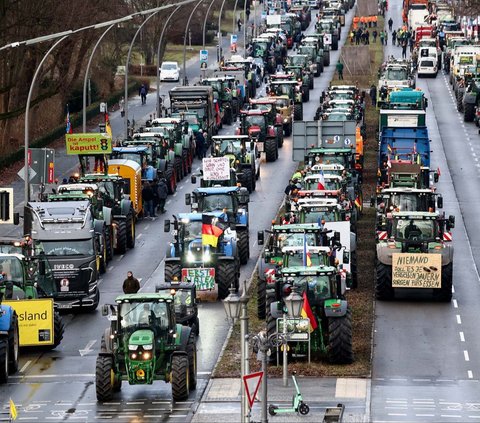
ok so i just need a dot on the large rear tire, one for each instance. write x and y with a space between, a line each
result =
383 282
340 339
192 360
180 378
59 327
298 111
104 256
121 237
444 294
248 180
173 271
226 275
104 378
4 359
108 241
243 245
469 112
271 149
261 298
130 222
354 269
178 163
13 344
288 129
171 180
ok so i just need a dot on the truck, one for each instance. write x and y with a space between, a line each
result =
69 235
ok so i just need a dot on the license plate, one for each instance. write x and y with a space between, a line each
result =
260 147
63 306
204 278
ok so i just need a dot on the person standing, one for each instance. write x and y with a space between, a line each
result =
382 38
131 285
162 193
147 196
394 37
373 94
390 24
143 93
239 24
375 34
339 68
404 49
199 144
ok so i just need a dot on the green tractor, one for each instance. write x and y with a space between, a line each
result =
331 318
311 51
224 90
145 343
280 87
415 252
471 99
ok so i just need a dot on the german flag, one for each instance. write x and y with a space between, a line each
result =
307 313
358 202
210 232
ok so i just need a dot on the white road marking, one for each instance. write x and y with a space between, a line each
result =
453 416
121 257
175 194
22 370
146 227
470 374
67 375
390 414
169 201
110 268
466 356
181 187
462 337
459 319
455 304
88 347
139 236
135 403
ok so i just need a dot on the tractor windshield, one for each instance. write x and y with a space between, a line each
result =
230 147
183 298
326 184
295 239
406 202
282 102
317 215
296 259
414 229
11 270
254 120
396 74
192 230
318 285
281 89
216 202
82 247
135 313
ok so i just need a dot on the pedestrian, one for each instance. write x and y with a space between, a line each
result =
154 186
290 187
147 197
375 34
390 24
373 94
386 37
367 37
206 144
200 144
121 104
339 68
162 193
239 24
131 285
382 38
394 37
411 43
404 49
358 36
143 93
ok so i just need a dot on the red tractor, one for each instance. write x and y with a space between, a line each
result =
274 117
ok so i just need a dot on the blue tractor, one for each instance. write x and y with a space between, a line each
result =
232 202
203 251
9 341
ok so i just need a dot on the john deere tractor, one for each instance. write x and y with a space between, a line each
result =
190 259
416 252
144 343
331 318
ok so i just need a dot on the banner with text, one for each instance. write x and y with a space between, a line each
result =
88 144
216 169
413 270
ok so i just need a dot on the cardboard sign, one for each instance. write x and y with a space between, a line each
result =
35 321
412 270
216 168
327 39
88 144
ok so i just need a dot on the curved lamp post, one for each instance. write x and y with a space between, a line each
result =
233 19
185 42
205 22
220 37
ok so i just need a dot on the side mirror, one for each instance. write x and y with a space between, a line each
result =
336 237
346 257
188 199
440 202
16 218
260 237
105 310
193 179
166 226
451 221
276 310
435 177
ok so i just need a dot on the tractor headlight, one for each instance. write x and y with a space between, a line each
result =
132 347
148 347
133 356
285 120
190 257
147 355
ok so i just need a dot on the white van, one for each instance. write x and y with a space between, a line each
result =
427 66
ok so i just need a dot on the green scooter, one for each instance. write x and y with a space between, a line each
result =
298 406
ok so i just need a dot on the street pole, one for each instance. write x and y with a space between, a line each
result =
220 36
158 56
285 355
264 347
205 22
244 365
27 113
234 12
85 79
185 79
245 25
125 118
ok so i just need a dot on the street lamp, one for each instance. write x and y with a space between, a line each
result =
294 304
185 79
232 305
220 37
234 11
205 21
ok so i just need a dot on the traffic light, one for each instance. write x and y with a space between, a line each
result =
6 207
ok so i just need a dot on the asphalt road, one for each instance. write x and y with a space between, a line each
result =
426 355
59 385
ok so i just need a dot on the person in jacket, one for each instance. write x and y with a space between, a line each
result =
131 285
162 193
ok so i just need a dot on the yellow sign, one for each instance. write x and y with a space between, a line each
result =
35 321
88 144
412 270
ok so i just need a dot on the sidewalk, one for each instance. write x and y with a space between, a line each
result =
222 398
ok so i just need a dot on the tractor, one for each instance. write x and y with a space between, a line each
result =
223 89
415 252
9 341
331 320
232 204
280 87
274 118
191 258
254 123
145 343
471 99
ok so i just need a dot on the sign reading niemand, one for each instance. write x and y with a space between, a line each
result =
416 270
94 143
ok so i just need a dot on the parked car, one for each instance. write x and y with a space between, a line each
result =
170 71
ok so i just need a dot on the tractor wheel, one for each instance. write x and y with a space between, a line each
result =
326 59
340 339
383 282
196 326
320 67
180 379
192 360
117 384
104 378
121 237
4 360
248 180
171 180
103 258
459 97
243 245
354 269
178 168
108 241
271 149
334 43
173 271
226 275
185 160
59 328
280 137
13 344
444 293
235 107
298 111
261 298
130 222
469 113
311 83
306 95
228 116
288 129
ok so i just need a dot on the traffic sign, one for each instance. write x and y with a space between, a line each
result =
203 56
31 173
252 383
203 65
233 39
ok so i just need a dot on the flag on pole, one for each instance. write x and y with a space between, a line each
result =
210 232
68 128
13 410
108 128
305 260
389 148
307 313
321 181
358 202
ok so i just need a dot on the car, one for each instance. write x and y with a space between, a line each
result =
170 71
427 66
